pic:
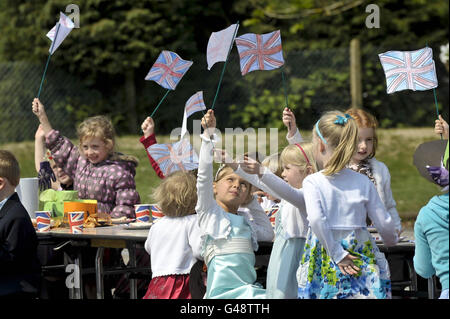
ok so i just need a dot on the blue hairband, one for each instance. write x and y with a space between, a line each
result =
340 121
318 132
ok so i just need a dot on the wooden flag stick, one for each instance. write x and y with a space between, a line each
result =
156 108
224 66
48 60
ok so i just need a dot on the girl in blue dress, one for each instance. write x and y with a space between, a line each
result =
228 239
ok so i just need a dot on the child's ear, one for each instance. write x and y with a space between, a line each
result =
309 170
214 188
321 147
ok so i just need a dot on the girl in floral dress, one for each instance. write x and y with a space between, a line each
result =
341 259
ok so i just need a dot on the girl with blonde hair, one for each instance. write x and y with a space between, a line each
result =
229 241
291 223
97 171
341 259
174 241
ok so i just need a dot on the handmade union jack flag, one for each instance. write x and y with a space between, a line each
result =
260 51
168 70
219 45
60 32
194 104
174 157
271 213
409 70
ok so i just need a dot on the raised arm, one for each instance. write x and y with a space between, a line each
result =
293 135
149 139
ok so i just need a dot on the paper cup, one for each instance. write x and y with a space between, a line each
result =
142 212
156 213
76 221
43 220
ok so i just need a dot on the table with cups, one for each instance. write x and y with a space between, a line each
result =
127 234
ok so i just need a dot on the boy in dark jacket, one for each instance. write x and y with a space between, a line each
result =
19 264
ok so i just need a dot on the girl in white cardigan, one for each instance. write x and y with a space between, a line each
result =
174 242
363 160
341 259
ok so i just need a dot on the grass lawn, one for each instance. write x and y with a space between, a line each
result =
396 149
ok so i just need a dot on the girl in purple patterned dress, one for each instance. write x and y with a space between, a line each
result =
97 171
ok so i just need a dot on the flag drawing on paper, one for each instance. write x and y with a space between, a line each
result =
409 70
65 26
260 51
174 157
168 70
219 45
194 104
271 213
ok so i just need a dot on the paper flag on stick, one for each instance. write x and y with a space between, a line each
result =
174 157
194 104
260 51
65 26
219 45
168 70
409 70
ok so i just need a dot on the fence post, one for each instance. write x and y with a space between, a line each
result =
355 73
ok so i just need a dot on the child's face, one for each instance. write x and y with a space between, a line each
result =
365 144
94 149
293 175
231 190
61 176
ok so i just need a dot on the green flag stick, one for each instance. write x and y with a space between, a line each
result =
285 92
48 60
437 106
168 90
224 66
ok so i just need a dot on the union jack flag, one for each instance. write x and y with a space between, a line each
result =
65 26
156 213
168 70
194 104
174 157
76 221
260 51
409 70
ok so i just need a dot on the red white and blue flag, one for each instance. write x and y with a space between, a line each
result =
168 70
194 104
142 213
219 45
260 51
409 70
61 30
174 157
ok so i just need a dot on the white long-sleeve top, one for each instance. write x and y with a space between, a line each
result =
342 202
213 219
292 207
382 178
383 184
174 245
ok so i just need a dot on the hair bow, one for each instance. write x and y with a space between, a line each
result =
342 120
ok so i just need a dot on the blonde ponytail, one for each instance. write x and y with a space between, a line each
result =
342 138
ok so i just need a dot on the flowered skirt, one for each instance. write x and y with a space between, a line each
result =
169 287
319 276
